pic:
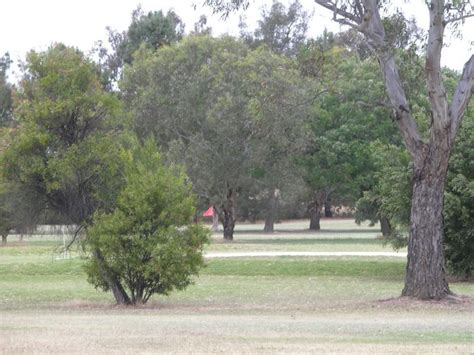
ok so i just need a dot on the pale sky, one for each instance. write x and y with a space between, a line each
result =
35 24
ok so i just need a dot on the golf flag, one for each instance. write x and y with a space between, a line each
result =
209 212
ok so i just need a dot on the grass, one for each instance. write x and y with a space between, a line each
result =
285 304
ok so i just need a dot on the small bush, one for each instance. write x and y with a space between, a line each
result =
148 243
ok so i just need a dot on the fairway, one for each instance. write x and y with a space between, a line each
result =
243 305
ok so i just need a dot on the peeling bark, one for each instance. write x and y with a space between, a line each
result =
425 273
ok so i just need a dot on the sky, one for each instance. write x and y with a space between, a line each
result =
36 24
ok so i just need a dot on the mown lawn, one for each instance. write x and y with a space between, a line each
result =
344 304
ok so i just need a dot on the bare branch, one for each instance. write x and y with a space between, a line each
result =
462 95
458 18
346 17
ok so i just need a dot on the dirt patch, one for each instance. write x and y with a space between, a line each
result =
460 302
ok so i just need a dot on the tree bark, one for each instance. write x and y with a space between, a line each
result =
4 239
425 273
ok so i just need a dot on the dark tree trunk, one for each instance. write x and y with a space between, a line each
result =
4 239
385 226
271 213
269 223
315 216
425 274
327 208
227 215
118 291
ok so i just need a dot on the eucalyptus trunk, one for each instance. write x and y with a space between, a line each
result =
425 273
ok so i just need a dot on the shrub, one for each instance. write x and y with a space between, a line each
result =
148 243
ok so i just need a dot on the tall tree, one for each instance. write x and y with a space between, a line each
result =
282 30
151 30
220 110
65 147
425 275
6 103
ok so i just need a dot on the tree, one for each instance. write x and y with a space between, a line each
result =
282 30
459 204
148 242
346 117
425 275
152 30
65 148
6 101
221 111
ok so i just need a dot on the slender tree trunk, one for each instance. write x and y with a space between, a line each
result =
21 237
215 222
315 216
271 213
4 239
425 274
327 207
227 215
385 226
228 224
118 291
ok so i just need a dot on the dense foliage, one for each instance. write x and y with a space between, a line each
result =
148 241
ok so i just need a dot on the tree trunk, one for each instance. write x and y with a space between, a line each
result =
271 212
118 291
315 216
228 224
215 222
4 239
425 273
327 208
227 215
385 226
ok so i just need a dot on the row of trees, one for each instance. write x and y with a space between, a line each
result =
265 123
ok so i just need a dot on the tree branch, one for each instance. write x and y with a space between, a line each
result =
458 18
462 95
347 17
436 91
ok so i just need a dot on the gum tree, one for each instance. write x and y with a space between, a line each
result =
425 274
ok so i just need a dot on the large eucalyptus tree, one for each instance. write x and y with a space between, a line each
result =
425 274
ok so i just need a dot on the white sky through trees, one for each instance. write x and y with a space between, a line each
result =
36 24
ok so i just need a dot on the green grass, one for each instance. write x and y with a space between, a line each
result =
283 304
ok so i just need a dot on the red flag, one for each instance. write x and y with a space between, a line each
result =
209 212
